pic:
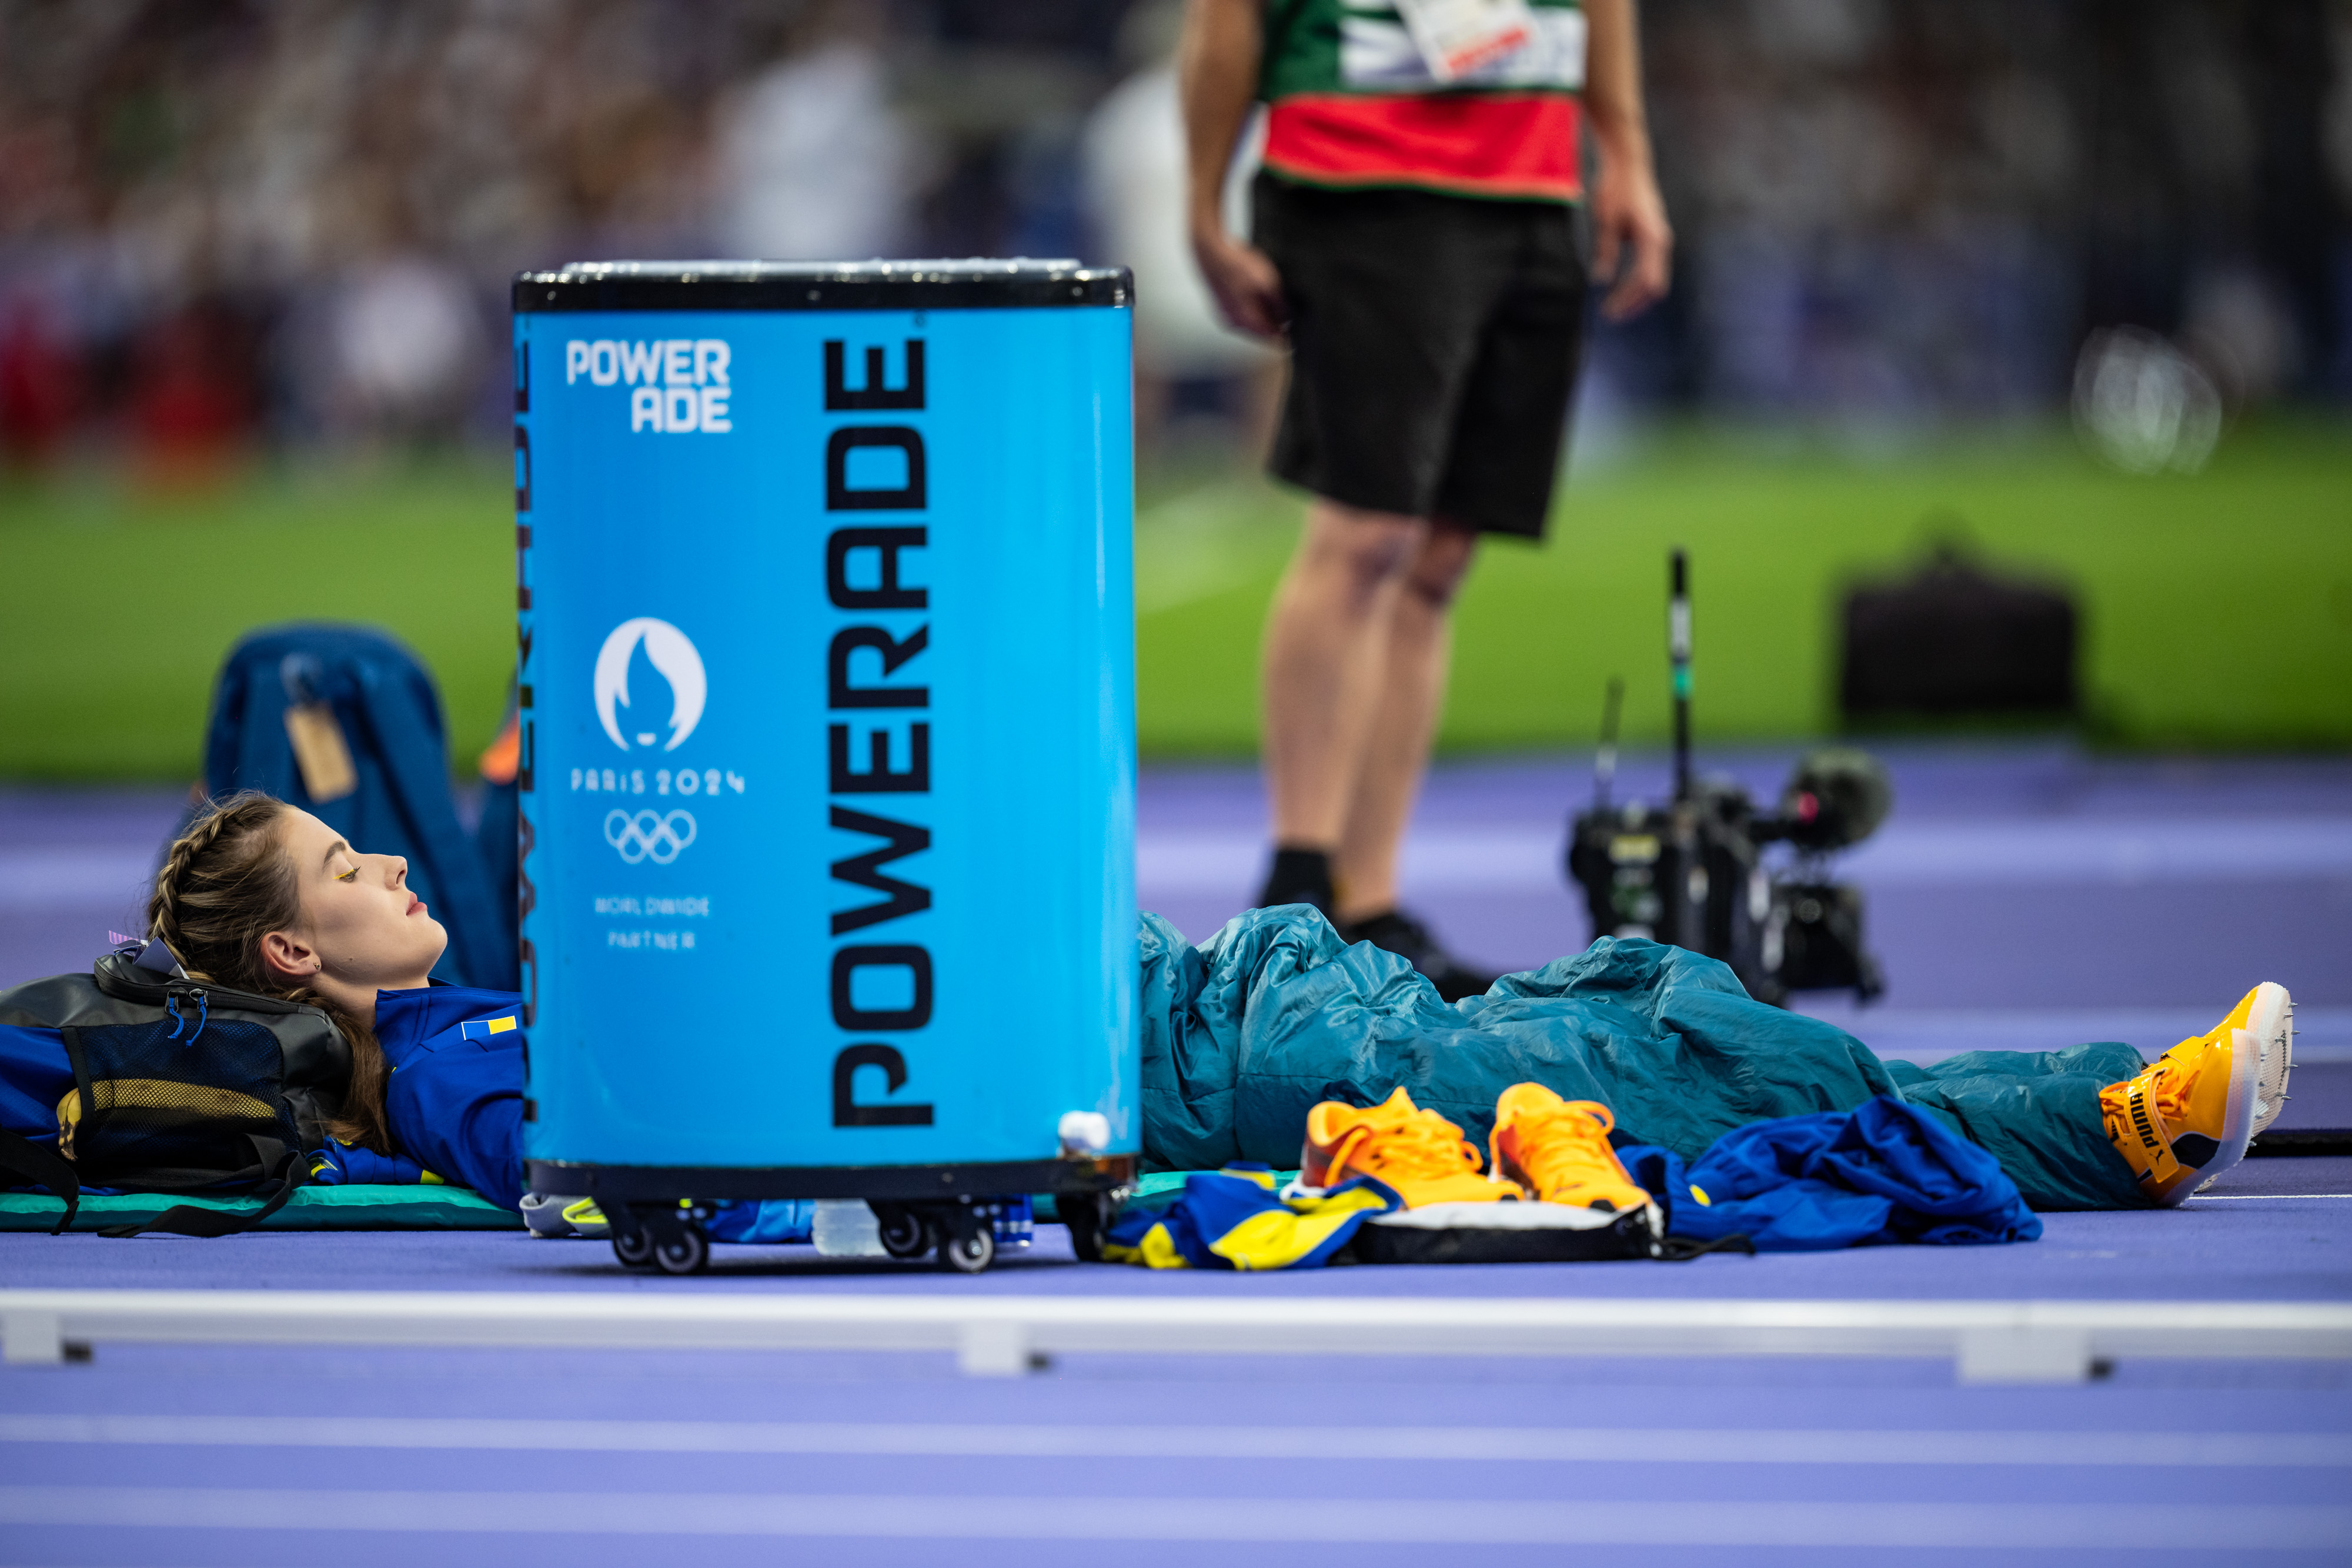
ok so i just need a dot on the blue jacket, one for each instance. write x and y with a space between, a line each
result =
1884 1172
455 1102
455 1099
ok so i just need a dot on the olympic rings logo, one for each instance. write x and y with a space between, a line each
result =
649 835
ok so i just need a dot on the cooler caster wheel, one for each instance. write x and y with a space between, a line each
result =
970 1251
635 1248
1087 1214
684 1253
905 1233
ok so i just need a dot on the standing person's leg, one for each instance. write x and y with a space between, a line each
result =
1502 454
1327 657
1388 293
1395 752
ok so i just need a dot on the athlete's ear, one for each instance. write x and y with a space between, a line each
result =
289 957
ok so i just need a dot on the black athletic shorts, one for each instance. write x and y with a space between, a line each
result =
1434 347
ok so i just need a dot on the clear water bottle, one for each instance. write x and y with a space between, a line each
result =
846 1228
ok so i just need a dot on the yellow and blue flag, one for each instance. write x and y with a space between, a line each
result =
1237 1218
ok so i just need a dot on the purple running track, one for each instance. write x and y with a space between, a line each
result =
2024 896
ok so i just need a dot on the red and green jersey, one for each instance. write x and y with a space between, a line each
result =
1353 105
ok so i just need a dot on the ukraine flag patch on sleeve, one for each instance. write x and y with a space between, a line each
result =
488 1030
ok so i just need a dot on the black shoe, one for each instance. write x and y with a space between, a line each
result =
1298 876
1408 938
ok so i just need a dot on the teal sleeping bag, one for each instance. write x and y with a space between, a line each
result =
1244 1033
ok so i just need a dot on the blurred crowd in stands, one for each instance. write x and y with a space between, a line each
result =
228 224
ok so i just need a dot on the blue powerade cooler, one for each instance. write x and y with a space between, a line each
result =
828 743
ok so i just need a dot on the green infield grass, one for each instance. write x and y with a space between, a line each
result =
122 605
2218 608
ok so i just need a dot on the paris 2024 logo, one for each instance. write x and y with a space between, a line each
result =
651 834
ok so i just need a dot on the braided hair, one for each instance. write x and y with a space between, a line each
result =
226 882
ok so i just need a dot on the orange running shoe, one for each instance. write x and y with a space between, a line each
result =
2190 1116
2267 1013
1418 1153
1558 1150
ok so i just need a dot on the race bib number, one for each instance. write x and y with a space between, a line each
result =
1458 39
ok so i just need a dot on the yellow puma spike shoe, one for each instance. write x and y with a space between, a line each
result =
2267 1013
1558 1150
1418 1153
2190 1116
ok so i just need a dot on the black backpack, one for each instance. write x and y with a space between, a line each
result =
1956 639
180 1086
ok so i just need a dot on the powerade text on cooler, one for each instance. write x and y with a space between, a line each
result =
825 609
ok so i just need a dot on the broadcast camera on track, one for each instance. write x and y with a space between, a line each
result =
1692 871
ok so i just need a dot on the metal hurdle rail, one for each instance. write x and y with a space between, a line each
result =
1006 1335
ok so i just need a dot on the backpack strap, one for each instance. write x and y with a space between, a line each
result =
85 1097
286 1169
43 1164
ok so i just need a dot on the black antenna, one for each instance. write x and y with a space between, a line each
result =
1604 762
1678 654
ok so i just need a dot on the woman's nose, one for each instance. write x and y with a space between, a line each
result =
399 869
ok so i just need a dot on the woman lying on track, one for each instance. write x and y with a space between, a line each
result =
1242 1038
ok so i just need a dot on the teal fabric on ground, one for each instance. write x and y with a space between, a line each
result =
1244 1033
363 1207
2007 1101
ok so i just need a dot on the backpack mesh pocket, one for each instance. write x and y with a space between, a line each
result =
180 1112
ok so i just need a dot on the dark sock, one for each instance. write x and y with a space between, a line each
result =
1298 876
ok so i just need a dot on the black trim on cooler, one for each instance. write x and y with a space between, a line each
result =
631 1184
974 283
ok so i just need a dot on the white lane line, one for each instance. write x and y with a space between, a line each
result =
1600 1521
2259 1196
991 1441
2038 851
2114 852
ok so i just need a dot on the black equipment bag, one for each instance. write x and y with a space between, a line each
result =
1956 639
180 1086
